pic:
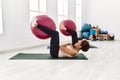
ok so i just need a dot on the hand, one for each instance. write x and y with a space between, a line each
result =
62 27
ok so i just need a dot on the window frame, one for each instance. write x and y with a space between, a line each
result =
63 15
38 11
79 18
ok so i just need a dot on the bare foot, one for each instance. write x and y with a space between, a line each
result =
34 22
62 27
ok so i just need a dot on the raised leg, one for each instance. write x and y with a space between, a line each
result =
54 42
73 35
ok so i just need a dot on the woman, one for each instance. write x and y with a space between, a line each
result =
92 37
65 50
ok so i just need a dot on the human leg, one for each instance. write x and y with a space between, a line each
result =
73 35
54 42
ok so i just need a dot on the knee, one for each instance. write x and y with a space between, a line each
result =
56 33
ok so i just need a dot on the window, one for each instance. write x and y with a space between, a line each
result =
37 7
62 10
1 23
78 13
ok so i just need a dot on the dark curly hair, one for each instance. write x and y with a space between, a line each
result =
85 45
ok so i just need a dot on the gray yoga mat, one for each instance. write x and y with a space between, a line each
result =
92 46
44 56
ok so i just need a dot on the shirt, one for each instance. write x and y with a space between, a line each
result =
63 54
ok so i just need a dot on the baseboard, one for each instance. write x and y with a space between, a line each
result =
25 48
22 48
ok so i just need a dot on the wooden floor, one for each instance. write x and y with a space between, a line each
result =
102 64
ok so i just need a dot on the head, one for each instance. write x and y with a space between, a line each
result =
83 45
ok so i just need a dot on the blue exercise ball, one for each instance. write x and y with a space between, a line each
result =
92 32
85 27
85 35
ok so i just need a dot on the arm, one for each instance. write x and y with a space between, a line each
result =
66 44
72 51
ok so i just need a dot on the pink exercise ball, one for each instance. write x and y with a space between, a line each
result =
69 24
45 21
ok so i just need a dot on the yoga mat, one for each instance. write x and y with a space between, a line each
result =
44 56
91 46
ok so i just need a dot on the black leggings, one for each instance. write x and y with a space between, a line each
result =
73 35
54 42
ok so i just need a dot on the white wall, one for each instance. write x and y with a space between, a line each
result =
72 10
17 33
105 13
52 9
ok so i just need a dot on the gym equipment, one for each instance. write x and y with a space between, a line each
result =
44 56
101 38
85 35
69 24
85 27
92 32
106 32
45 21
103 32
111 36
90 25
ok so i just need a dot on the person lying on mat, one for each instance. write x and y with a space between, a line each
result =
92 37
65 50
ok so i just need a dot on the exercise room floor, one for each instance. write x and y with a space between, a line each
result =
102 64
